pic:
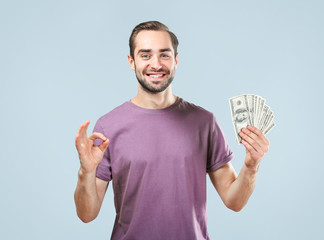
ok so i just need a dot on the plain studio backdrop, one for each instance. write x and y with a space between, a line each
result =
65 62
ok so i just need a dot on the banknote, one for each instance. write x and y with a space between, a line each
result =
250 109
240 114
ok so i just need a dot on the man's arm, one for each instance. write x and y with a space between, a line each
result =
90 190
89 195
234 190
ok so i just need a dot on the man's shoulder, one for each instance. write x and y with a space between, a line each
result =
196 109
116 112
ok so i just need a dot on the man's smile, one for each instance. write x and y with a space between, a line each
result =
156 76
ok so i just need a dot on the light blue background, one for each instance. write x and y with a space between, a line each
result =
64 62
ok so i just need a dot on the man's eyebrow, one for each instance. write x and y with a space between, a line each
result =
165 50
150 50
144 51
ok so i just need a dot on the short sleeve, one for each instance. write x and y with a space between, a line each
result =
104 167
219 153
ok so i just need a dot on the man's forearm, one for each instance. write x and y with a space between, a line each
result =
242 188
86 197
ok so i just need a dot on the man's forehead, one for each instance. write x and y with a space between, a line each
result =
153 40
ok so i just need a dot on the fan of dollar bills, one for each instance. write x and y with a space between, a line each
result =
250 109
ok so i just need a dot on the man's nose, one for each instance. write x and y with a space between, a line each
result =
156 63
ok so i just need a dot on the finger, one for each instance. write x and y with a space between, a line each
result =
249 133
248 147
255 130
104 145
256 134
263 142
85 128
77 137
78 143
82 132
252 142
97 135
81 135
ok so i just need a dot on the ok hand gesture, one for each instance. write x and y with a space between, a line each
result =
89 154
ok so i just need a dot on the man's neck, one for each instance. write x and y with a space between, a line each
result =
155 101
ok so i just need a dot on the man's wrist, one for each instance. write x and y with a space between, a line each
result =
83 173
252 169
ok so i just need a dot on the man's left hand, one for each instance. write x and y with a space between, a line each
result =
256 145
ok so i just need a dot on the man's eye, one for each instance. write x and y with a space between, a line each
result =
165 55
145 56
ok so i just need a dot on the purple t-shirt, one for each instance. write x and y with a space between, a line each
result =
157 161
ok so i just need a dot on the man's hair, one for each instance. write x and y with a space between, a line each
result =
151 26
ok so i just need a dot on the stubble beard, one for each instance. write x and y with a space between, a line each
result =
149 88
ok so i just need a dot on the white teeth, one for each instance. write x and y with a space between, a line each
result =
156 76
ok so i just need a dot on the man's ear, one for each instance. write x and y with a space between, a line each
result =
131 62
176 60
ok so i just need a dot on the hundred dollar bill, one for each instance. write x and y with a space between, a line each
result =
250 109
265 110
240 114
267 130
267 120
255 106
261 103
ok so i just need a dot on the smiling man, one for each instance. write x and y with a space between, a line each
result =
156 65
160 149
154 59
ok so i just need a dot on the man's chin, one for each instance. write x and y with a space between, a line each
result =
153 89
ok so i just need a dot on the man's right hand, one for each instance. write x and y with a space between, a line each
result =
89 154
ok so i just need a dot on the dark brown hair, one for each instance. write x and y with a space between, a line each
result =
151 26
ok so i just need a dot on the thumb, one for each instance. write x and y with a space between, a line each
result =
104 145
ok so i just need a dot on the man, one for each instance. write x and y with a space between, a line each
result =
160 148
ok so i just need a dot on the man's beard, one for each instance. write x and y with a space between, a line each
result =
141 80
